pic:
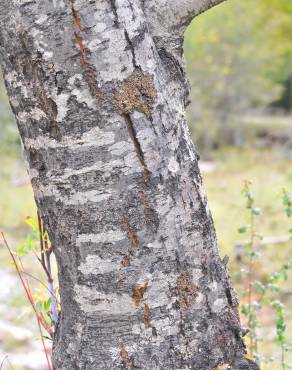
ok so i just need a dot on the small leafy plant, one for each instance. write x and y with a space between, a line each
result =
262 293
44 298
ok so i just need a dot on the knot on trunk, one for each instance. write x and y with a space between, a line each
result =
137 93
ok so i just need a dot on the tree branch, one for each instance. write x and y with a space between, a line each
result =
174 16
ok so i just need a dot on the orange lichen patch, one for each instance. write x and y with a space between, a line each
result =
186 290
146 316
137 93
126 261
131 235
222 367
138 293
127 363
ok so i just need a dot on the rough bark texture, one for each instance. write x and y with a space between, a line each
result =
99 93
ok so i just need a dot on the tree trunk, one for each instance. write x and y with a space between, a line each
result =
99 93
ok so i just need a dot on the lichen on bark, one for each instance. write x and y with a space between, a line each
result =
137 93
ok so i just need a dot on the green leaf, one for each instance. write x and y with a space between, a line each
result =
242 230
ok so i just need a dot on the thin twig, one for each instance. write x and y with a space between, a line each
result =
39 317
42 283
41 238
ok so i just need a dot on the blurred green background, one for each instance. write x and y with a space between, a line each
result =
239 63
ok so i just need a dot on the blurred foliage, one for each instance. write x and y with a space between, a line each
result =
9 138
238 60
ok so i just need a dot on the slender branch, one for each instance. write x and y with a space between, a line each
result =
39 317
26 287
41 237
6 358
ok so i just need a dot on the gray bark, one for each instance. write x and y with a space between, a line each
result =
99 93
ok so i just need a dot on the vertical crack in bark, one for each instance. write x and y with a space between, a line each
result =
144 200
114 8
127 363
137 93
49 106
127 37
186 290
131 47
90 74
137 145
138 293
126 261
131 235
146 316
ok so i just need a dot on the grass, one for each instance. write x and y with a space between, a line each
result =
269 173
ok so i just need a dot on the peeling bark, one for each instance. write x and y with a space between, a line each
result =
99 92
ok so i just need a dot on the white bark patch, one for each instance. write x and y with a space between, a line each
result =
11 77
100 27
173 165
35 114
73 78
75 198
91 301
85 197
95 265
115 56
48 55
120 148
61 102
94 137
108 237
158 289
58 4
14 80
165 327
14 102
218 305
84 96
132 163
41 19
93 45
107 169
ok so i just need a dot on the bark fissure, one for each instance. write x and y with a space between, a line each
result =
146 316
131 47
87 68
138 149
138 293
131 235
127 363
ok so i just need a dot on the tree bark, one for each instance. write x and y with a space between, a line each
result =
99 92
